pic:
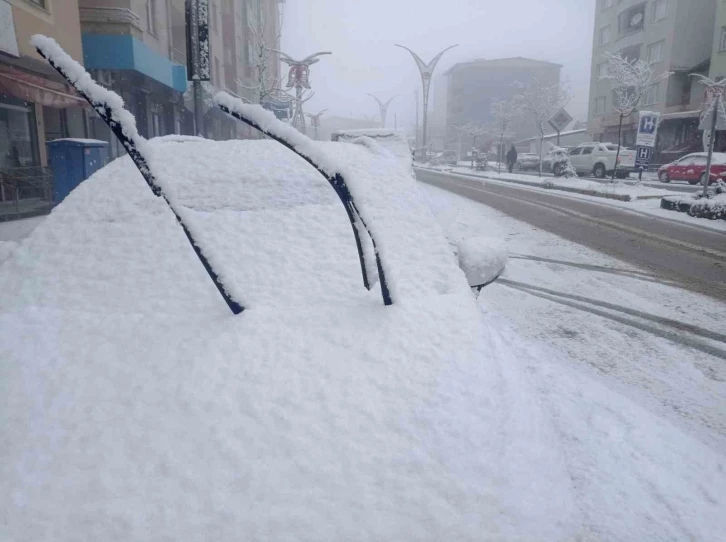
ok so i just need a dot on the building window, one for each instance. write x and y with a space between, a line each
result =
651 95
632 53
660 10
151 16
600 105
722 42
655 52
607 4
604 36
602 69
632 19
39 3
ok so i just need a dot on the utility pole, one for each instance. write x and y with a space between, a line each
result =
426 71
197 19
714 117
415 93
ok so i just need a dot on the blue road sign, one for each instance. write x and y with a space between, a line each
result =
643 156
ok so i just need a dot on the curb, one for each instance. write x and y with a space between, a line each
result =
583 191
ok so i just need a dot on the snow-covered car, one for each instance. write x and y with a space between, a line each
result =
394 141
527 161
134 406
692 168
599 159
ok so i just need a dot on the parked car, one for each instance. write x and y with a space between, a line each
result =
692 168
598 159
527 161
450 158
393 141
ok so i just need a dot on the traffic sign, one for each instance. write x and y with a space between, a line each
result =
643 156
647 129
560 120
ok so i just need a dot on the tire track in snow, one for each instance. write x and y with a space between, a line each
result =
586 304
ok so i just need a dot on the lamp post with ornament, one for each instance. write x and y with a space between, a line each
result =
426 71
714 118
299 79
383 107
315 121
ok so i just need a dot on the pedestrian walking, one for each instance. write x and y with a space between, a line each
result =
511 158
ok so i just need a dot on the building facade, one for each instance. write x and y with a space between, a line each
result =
473 85
36 105
138 49
675 36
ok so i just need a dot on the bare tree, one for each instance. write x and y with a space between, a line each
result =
542 101
503 112
472 130
268 84
633 78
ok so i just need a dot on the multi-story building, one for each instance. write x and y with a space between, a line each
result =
36 105
473 85
675 36
718 51
138 48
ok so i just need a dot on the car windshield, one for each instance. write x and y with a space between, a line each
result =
362 270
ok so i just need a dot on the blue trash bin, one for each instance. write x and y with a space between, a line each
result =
73 161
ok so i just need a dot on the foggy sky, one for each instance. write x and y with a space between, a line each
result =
361 35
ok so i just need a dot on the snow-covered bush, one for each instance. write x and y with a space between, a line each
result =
561 165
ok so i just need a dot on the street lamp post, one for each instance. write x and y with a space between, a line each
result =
383 108
315 121
299 78
426 71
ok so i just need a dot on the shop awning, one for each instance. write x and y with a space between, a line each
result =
681 115
34 88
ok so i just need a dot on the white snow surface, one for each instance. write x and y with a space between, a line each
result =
482 258
133 406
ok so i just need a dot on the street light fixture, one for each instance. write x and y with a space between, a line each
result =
383 108
299 77
426 71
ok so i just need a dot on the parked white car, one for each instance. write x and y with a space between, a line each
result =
598 159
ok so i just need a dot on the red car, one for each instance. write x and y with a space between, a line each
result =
692 168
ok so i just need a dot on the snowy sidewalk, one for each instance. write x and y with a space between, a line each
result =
660 346
617 191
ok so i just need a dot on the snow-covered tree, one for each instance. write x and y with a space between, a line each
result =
503 113
541 100
472 130
632 78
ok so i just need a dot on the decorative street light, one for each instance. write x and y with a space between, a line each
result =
315 121
383 107
299 78
426 71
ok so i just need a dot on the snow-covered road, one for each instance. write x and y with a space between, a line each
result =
661 346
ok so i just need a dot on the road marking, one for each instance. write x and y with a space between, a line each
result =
599 221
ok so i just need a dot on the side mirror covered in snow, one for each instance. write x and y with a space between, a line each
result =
482 259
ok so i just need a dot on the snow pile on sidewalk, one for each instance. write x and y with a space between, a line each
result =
616 189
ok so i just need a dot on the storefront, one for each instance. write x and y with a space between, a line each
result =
35 107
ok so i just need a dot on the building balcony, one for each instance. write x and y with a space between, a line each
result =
110 20
124 52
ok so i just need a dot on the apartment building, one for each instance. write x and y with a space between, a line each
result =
473 85
35 103
138 49
675 36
